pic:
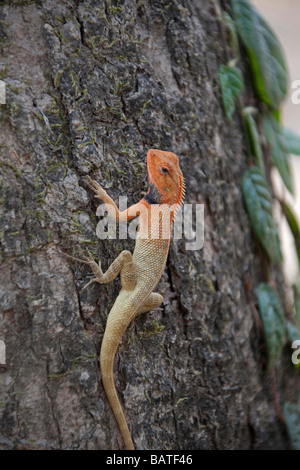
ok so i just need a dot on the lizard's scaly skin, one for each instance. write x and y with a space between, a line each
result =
141 271
150 262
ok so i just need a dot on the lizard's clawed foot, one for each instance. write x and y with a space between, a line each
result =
89 283
86 259
94 186
96 268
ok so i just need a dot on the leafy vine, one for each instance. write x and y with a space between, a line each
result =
265 136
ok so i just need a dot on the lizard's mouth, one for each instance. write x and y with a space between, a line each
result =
153 196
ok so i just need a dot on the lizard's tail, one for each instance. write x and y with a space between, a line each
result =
112 337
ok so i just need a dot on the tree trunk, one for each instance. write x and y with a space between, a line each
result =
90 87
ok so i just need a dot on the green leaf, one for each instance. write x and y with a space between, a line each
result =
264 52
292 140
292 419
278 148
293 224
277 115
232 84
292 331
258 203
273 321
232 32
296 295
253 140
291 218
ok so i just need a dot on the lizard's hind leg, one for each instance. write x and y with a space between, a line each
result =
153 301
122 264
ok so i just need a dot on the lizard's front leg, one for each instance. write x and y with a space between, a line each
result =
111 206
122 264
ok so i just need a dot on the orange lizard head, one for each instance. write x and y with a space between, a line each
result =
165 177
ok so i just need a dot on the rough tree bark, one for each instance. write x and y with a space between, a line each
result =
91 86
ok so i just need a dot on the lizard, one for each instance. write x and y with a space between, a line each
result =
141 271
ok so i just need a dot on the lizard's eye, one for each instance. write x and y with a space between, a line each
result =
164 170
